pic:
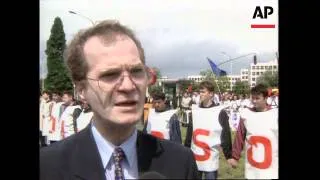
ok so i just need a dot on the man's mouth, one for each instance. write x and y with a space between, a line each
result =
128 103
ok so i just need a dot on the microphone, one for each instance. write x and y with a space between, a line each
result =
152 175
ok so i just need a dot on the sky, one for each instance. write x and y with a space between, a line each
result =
177 36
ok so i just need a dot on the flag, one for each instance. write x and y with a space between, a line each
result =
217 71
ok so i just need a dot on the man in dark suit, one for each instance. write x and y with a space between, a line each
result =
107 65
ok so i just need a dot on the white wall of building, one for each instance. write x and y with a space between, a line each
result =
196 78
244 74
233 79
258 69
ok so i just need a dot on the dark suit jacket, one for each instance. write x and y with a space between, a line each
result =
77 157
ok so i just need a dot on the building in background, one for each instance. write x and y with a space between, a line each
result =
258 69
233 79
196 78
249 75
244 74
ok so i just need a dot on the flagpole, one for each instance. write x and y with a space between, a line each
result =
218 65
217 86
218 74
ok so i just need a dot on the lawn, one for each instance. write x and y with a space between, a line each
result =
224 172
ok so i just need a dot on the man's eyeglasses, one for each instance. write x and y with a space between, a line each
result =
138 74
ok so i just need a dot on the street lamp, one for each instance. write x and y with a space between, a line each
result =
230 60
42 64
72 12
225 54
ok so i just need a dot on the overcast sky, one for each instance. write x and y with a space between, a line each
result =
177 35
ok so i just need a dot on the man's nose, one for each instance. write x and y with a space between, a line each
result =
126 83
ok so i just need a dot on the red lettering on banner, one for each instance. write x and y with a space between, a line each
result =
266 163
201 144
62 129
53 127
157 134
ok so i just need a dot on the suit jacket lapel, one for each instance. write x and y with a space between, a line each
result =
86 158
147 148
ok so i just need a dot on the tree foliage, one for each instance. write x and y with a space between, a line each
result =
268 78
241 87
220 83
58 79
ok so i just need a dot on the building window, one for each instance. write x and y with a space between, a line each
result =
262 67
253 73
253 67
253 84
266 67
257 73
253 79
274 67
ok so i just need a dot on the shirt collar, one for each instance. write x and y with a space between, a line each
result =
106 148
129 147
212 105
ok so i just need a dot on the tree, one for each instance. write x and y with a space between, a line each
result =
269 79
184 84
224 84
241 87
195 86
208 74
154 88
58 78
222 81
157 70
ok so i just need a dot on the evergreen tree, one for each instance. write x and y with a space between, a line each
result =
58 79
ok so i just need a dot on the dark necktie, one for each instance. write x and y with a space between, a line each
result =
118 156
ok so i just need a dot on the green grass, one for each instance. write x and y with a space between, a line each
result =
224 171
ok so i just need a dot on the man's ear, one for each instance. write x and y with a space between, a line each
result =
80 88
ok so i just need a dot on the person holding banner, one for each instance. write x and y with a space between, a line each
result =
84 118
234 113
55 123
208 130
258 131
163 122
45 109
